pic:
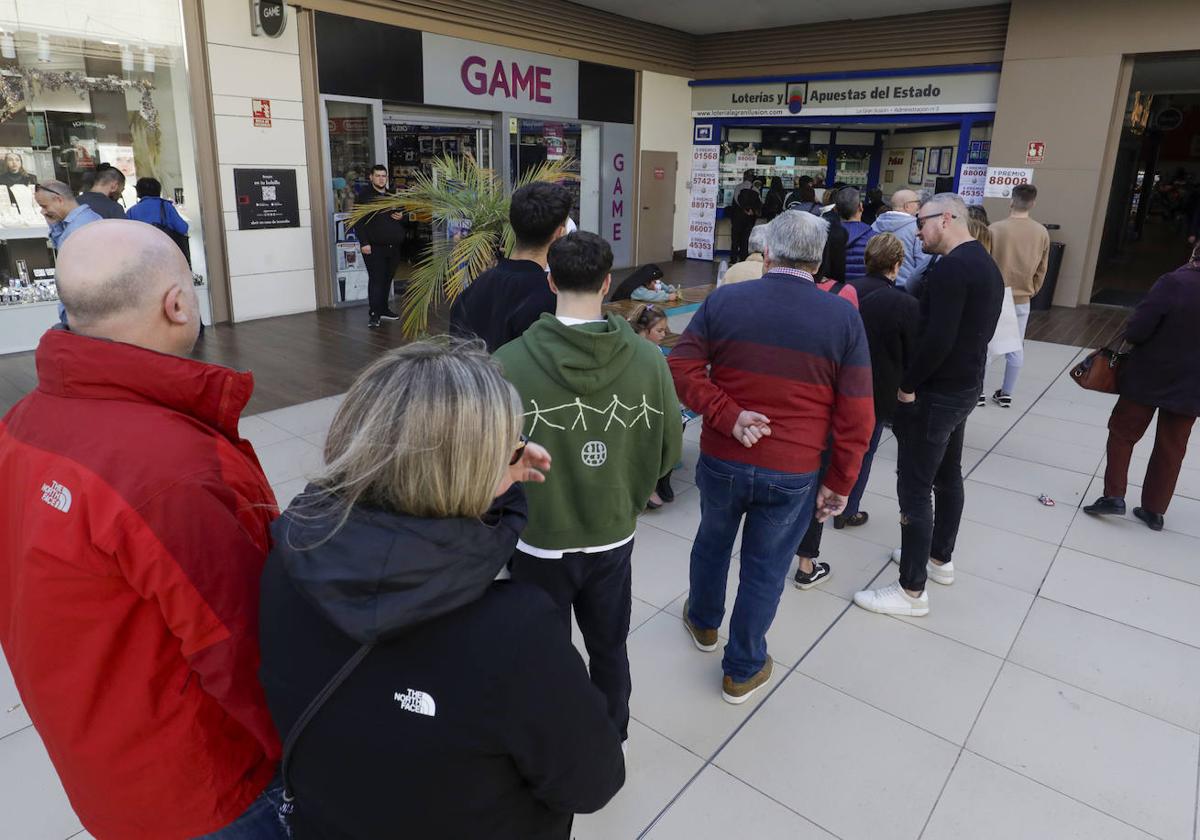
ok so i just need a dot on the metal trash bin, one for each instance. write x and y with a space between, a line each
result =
1044 298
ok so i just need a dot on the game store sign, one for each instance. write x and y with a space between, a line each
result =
918 94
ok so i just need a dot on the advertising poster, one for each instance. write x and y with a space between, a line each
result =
971 180
555 146
916 167
702 208
1001 180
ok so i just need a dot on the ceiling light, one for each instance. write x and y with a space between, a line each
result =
112 43
8 47
43 48
126 59
148 61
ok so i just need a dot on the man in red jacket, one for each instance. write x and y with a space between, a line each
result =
133 531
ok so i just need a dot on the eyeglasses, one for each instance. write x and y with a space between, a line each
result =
519 452
921 219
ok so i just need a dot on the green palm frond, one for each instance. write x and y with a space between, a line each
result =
456 191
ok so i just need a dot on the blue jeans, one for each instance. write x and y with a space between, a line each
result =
864 474
263 820
777 507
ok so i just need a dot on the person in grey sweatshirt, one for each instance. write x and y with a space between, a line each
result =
902 221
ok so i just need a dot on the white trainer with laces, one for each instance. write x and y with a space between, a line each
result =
892 600
943 574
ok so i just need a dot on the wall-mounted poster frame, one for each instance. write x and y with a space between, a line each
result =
933 163
946 161
916 167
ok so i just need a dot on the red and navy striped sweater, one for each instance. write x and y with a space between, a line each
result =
782 347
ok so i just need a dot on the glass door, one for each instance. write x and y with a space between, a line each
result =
354 142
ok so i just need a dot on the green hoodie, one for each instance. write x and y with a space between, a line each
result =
601 400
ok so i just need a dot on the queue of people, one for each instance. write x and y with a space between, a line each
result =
477 494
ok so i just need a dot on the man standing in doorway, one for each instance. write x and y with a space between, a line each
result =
380 236
901 220
776 366
1021 248
959 310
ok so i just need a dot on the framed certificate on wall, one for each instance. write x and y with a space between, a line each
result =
916 167
933 164
946 161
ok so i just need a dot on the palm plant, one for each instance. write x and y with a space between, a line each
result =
459 195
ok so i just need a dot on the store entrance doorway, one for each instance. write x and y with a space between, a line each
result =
414 142
1154 204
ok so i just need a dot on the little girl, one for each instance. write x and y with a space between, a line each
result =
650 323
655 291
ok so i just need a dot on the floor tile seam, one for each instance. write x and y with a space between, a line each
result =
784 805
994 483
1024 460
15 732
1024 413
942 792
1053 789
667 737
711 760
1193 733
892 715
1131 566
1122 623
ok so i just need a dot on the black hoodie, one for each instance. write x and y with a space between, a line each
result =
473 716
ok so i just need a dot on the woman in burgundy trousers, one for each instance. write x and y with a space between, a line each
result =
1161 373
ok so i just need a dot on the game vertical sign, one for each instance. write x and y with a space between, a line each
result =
702 207
616 190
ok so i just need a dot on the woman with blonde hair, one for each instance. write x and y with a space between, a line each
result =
415 692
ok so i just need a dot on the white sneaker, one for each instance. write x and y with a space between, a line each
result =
892 600
943 574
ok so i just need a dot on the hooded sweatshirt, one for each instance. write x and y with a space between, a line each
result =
601 400
472 716
904 227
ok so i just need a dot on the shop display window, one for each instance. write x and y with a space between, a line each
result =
786 153
538 141
78 91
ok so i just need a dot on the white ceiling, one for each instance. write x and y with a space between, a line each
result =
702 17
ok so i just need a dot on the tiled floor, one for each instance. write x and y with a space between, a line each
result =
1052 692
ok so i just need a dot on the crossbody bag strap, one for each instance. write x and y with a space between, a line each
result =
289 743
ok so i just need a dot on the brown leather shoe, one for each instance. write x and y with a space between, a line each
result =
740 692
705 640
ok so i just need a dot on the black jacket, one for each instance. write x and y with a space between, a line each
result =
833 262
502 303
1163 369
959 310
890 317
473 715
104 206
378 228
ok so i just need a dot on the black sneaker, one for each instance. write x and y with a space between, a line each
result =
981 402
1106 506
373 322
852 521
389 315
820 572
665 491
1002 399
1154 521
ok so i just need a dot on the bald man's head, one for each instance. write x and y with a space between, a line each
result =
128 281
905 201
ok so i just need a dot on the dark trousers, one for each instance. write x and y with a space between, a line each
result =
1126 426
599 587
810 543
929 434
381 271
740 226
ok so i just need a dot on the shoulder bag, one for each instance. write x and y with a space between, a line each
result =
310 712
1098 372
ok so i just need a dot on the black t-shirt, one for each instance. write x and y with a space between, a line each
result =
104 206
502 303
959 310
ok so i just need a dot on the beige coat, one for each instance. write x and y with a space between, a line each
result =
1021 248
750 268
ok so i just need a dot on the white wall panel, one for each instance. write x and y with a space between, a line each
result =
281 293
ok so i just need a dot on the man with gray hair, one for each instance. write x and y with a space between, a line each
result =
750 268
134 525
959 310
776 367
901 221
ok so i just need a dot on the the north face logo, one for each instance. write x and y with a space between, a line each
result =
417 702
57 496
